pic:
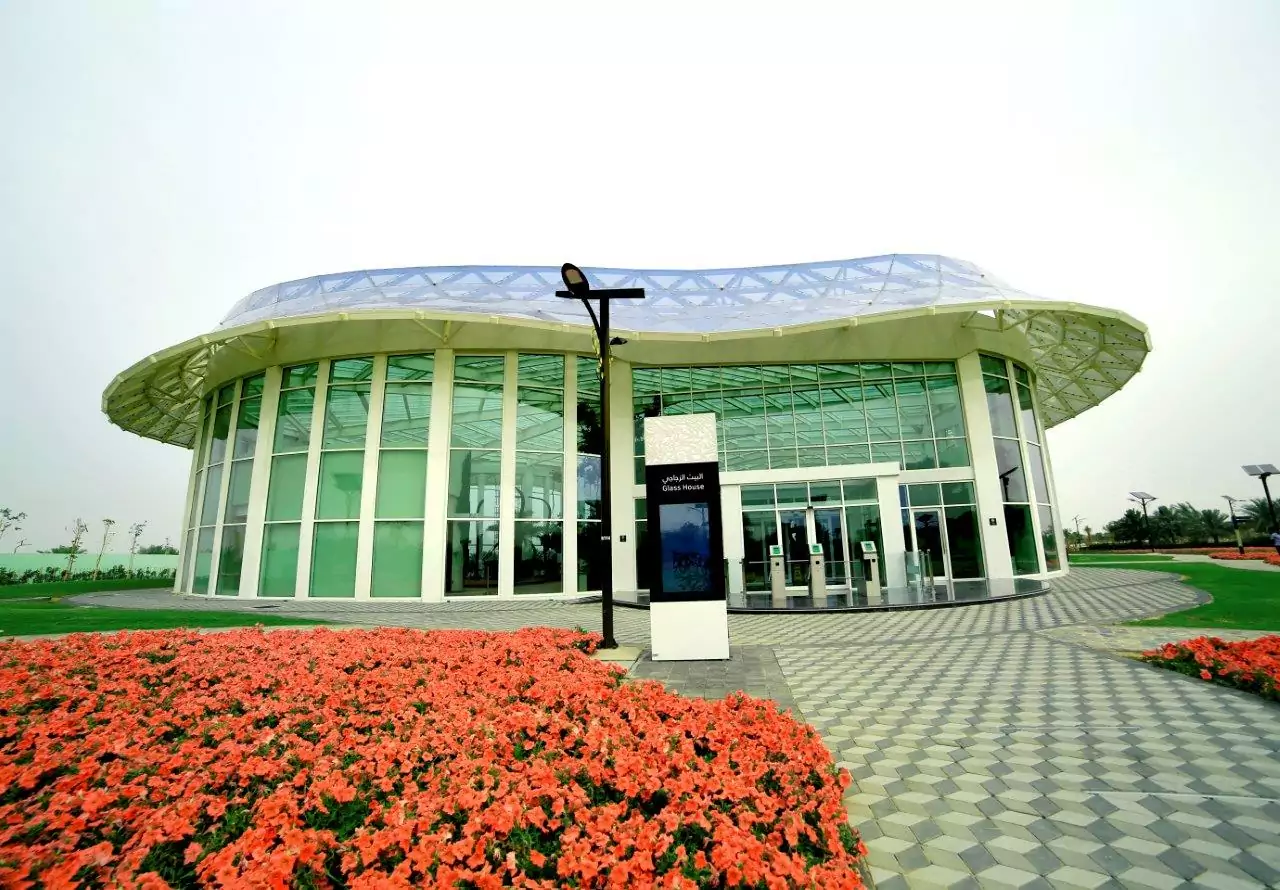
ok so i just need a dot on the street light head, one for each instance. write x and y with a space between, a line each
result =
1261 470
617 341
1141 496
575 280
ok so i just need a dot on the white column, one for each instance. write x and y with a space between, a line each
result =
895 545
507 484
311 485
186 554
434 527
224 485
620 432
569 550
369 479
986 473
734 548
255 527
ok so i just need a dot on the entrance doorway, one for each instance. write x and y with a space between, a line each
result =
926 534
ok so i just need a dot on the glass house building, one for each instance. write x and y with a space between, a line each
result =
436 432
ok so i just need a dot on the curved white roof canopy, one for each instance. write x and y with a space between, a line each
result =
1081 354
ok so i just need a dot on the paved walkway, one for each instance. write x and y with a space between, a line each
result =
985 752
1250 565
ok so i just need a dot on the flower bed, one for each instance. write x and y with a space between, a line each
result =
397 758
1267 554
1252 665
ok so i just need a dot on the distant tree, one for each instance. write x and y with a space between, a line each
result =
156 549
135 532
1215 524
21 543
1128 529
64 548
1257 514
1088 536
9 521
78 530
106 536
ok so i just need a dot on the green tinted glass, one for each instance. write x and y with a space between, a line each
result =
676 380
341 479
479 369
838 455
351 370
540 420
212 491
247 427
473 483
406 415
402 484
279 560
793 495
876 371
1048 539
919 456
913 409
346 416
746 460
860 490
284 491
1021 375
410 367
740 377
204 561
957 493
300 375
197 500
757 496
538 565
477 415
882 412
237 509
836 375
825 493
886 453
225 394
1022 539
293 422
230 560
993 365
908 369
397 559
253 386
927 494
545 371
221 429
1013 478
641 509
1000 406
935 368
333 559
539 485
811 457
1026 407
944 407
1036 459
953 453
964 538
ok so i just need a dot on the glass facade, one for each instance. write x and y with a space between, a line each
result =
787 416
507 447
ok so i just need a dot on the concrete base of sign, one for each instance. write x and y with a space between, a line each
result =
696 631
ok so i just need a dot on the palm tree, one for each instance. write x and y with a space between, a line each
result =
1188 523
1258 515
1129 528
1215 524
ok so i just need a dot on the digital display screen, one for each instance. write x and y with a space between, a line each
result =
685 531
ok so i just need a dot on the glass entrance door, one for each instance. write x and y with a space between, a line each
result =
828 530
795 546
928 535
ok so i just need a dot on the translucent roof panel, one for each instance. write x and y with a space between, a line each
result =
1082 354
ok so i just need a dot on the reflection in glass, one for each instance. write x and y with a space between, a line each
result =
591 556
406 415
473 482
341 480
1048 539
346 416
540 420
539 485
1036 458
957 493
247 427
471 557
589 478
945 408
1013 481
1027 408
204 561
410 367
1000 406
862 523
827 524
924 494
397 559
686 547
300 375
964 540
644 555
284 491
928 532
230 560
759 532
221 429
293 422
279 560
333 559
212 491
795 547
1022 539
919 455
953 453
539 557
402 484
477 415
350 370
913 409
238 492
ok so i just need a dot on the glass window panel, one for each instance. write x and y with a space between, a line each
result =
964 540
341 479
862 523
188 560
397 559
333 559
589 477
747 460
676 380
206 431
639 471
838 455
197 500
541 370
775 377
539 557
1036 459
221 429
280 560
928 494
204 561
835 375
919 456
225 394
902 500
253 386
1022 539
247 427
293 421
589 377
908 369
590 426
993 365
540 420
757 496
346 416
886 452
411 367
740 377
944 407
875 371
406 415
704 379
212 490
237 509
645 382
590 557
811 457
284 491
783 458
300 375
882 412
860 490
913 409
471 557
825 492
402 485
477 415
804 377
479 369
793 495
351 370
1013 478
957 493
230 560
539 485
1021 375
1000 405
936 368
473 483
953 453
1027 408
642 508
1048 539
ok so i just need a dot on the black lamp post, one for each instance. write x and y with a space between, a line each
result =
1141 497
579 288
1235 521
1262 471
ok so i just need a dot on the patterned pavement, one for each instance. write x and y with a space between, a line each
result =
985 753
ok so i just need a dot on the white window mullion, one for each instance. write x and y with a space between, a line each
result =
224 484
369 487
569 502
507 479
260 478
311 485
439 430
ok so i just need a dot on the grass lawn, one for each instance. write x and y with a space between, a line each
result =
1089 559
69 588
43 617
1242 600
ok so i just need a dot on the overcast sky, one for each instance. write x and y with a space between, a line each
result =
160 160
